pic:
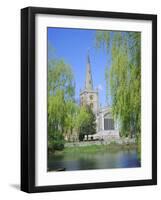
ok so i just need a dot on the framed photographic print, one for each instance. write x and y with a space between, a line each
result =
88 99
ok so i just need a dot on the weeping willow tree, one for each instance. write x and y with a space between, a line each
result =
124 77
61 89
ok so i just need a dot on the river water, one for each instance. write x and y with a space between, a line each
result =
110 159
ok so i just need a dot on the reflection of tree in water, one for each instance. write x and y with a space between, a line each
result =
83 161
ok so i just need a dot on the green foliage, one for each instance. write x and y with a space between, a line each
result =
103 39
60 77
56 110
92 122
107 85
124 78
55 141
87 122
93 148
82 120
72 111
61 88
82 116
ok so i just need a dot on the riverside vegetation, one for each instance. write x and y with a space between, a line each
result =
123 84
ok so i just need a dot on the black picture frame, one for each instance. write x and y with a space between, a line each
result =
28 98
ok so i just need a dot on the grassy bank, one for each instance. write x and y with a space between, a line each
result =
96 148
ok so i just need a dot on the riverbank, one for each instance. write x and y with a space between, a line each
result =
120 141
95 148
94 157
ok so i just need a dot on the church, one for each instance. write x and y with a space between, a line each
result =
106 127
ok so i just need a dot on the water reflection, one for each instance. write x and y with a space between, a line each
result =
83 161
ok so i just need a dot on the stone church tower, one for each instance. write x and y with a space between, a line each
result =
89 96
105 125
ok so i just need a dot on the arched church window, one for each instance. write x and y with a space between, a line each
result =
108 122
107 115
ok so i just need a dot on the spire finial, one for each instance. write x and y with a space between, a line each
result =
88 60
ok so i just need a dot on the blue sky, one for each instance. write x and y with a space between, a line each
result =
72 45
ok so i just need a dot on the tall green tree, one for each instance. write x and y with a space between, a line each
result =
61 88
88 122
125 77
72 111
60 77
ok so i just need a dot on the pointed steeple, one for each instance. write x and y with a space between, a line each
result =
88 81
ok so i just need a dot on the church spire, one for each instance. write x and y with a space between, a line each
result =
88 82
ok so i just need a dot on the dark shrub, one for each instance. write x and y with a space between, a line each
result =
55 141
